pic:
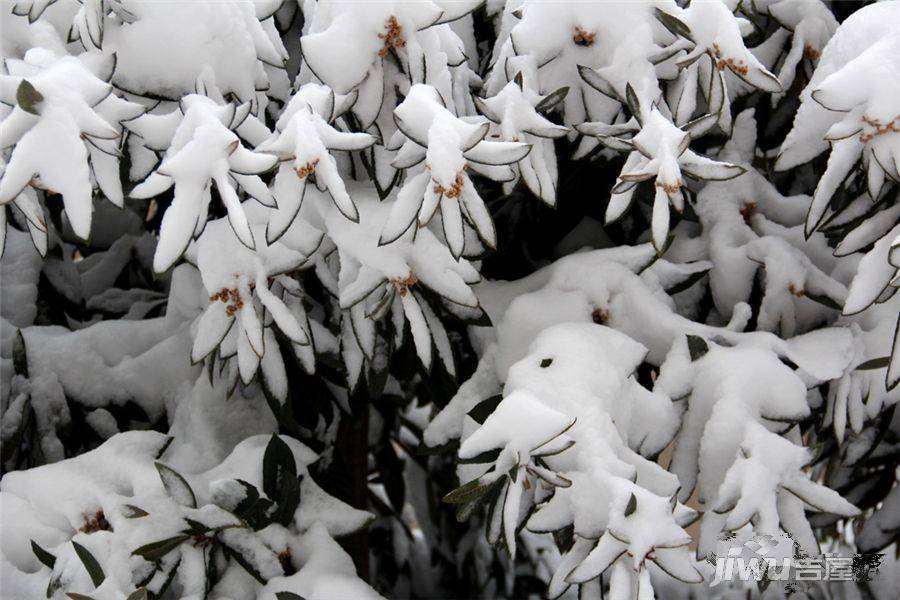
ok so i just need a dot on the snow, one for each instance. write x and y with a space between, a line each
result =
205 433
305 138
811 26
562 402
862 30
68 115
327 571
661 153
203 150
514 117
873 275
122 471
451 146
19 269
163 49
290 201
322 510
103 423
140 361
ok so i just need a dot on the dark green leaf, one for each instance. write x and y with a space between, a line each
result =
674 25
481 411
133 512
196 527
154 551
288 499
697 346
518 79
77 596
90 564
632 506
463 511
488 456
552 99
139 594
176 486
288 596
169 578
28 98
634 105
45 557
687 283
252 495
20 355
211 366
876 363
165 446
597 81
468 492
823 300
278 462
244 563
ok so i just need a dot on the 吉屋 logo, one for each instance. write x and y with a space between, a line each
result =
767 558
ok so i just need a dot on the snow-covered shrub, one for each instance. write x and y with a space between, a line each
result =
119 517
279 276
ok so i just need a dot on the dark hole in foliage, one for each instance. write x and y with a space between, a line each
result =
546 363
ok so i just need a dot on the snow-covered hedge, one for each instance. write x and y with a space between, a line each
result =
613 279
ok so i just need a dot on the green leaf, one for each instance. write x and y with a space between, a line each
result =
823 300
20 355
244 563
196 527
90 564
675 25
481 411
169 578
288 499
250 498
165 446
597 81
288 596
45 557
28 98
488 456
139 594
687 283
634 105
632 506
130 511
176 486
518 79
278 462
468 492
77 596
154 551
876 363
697 346
552 99
494 489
